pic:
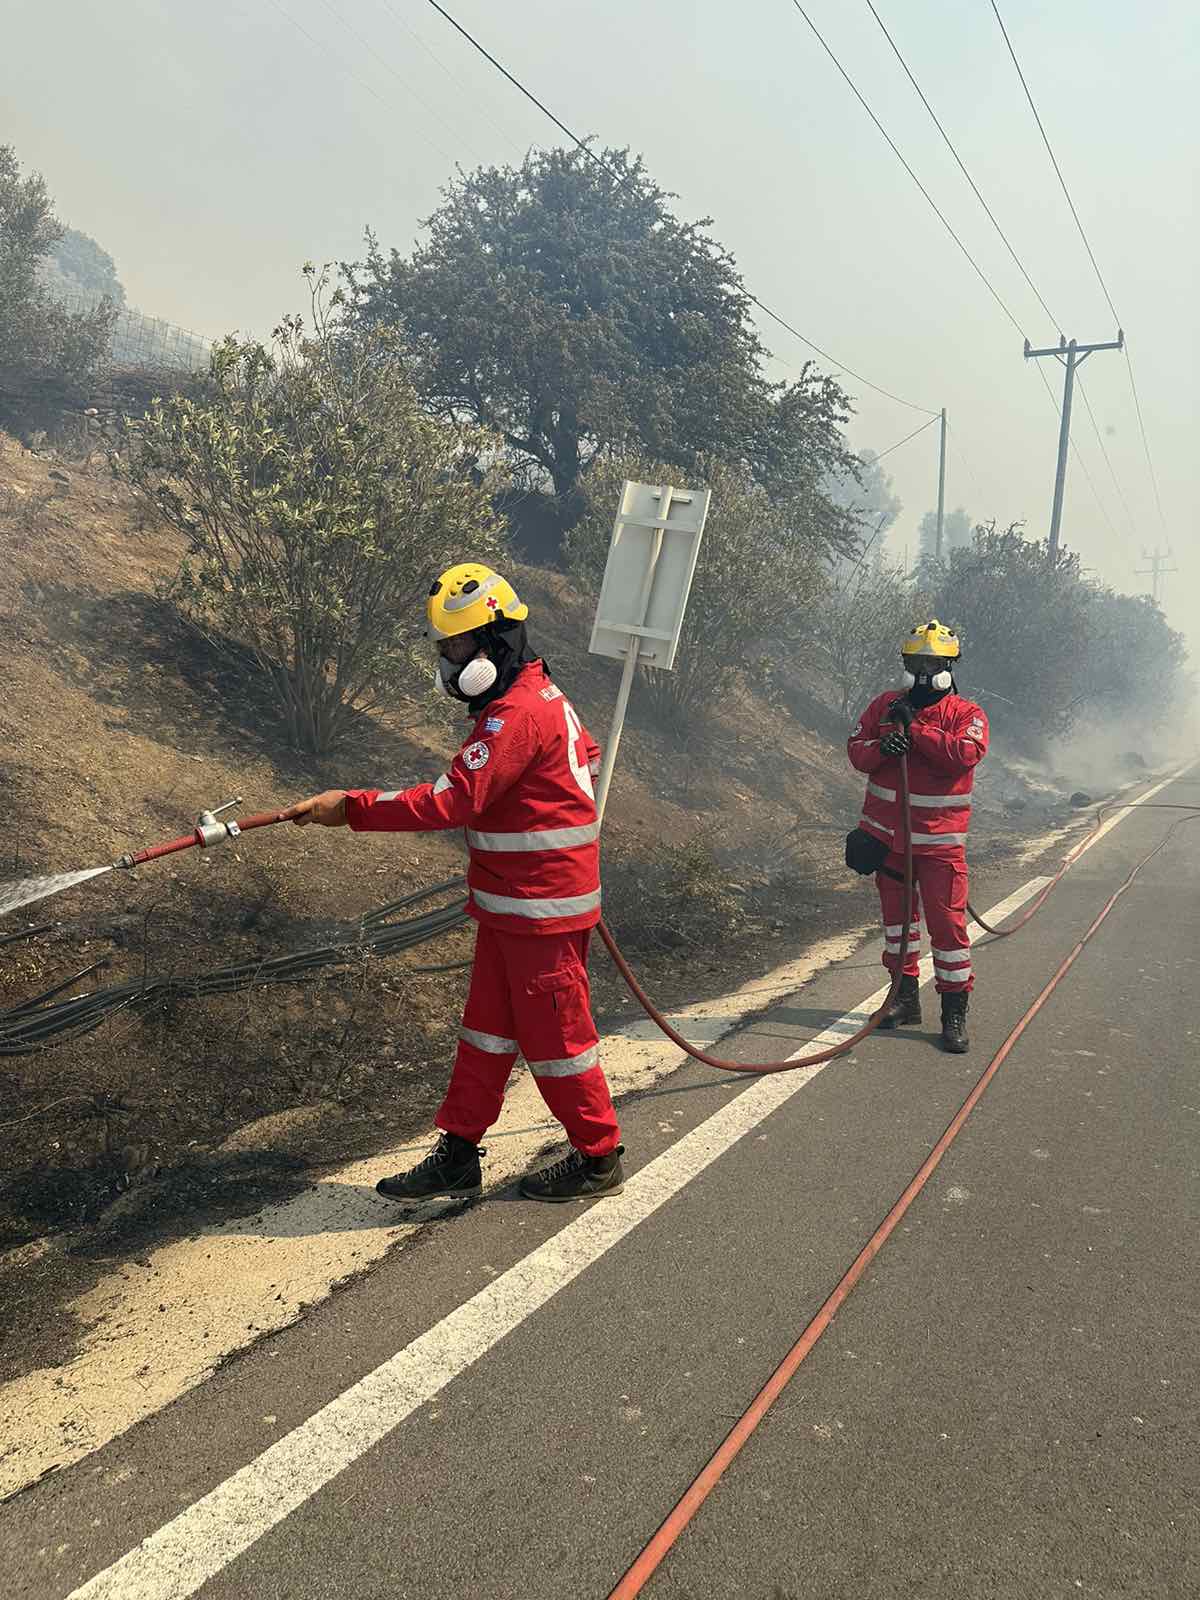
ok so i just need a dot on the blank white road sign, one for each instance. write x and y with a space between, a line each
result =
651 560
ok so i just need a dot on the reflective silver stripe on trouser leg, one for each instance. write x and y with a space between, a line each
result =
567 1066
492 1043
506 905
953 966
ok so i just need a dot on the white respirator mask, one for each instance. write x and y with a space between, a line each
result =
469 681
939 680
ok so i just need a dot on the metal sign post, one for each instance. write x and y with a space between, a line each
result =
643 599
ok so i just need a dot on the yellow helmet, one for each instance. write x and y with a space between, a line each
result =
468 597
932 640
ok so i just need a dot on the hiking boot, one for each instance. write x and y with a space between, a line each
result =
905 1007
451 1167
577 1177
954 1023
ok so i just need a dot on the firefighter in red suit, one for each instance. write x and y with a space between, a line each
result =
945 737
522 787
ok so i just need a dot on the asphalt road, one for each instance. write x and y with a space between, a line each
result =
1007 1406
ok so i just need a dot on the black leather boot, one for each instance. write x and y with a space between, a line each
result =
954 1023
451 1167
577 1177
905 1008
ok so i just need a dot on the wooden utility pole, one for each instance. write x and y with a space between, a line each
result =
1072 354
941 485
1156 571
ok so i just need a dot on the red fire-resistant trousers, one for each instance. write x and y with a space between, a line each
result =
941 885
530 994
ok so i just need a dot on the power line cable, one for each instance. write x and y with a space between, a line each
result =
1054 162
907 437
1095 266
586 148
951 231
363 83
399 77
961 164
945 221
505 133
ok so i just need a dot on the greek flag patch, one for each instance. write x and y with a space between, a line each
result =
493 725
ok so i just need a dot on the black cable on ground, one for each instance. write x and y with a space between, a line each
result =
37 1025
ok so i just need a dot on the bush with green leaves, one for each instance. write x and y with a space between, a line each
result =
1043 645
319 499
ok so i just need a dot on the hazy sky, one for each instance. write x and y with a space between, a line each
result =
212 148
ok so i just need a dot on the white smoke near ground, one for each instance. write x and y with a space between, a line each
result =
1099 756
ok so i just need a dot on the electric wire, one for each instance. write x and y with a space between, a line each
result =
1137 404
323 51
895 148
464 88
906 438
587 150
992 290
1004 239
388 68
962 165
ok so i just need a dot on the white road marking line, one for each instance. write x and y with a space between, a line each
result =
182 1555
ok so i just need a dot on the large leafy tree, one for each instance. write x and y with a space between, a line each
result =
45 351
318 497
562 304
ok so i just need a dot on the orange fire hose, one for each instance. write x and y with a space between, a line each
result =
656 1549
833 1051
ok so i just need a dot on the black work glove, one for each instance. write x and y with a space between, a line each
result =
895 744
902 711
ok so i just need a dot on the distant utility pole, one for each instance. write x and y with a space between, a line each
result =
1071 355
1156 571
941 485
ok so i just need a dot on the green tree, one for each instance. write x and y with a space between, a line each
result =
1028 627
563 305
758 569
318 498
45 351
78 266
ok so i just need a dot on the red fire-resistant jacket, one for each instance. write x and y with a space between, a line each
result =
521 786
949 739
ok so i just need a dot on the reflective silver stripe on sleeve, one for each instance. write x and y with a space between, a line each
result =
952 974
568 1066
491 1042
880 792
536 839
952 802
869 822
443 783
389 794
505 905
939 838
950 958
